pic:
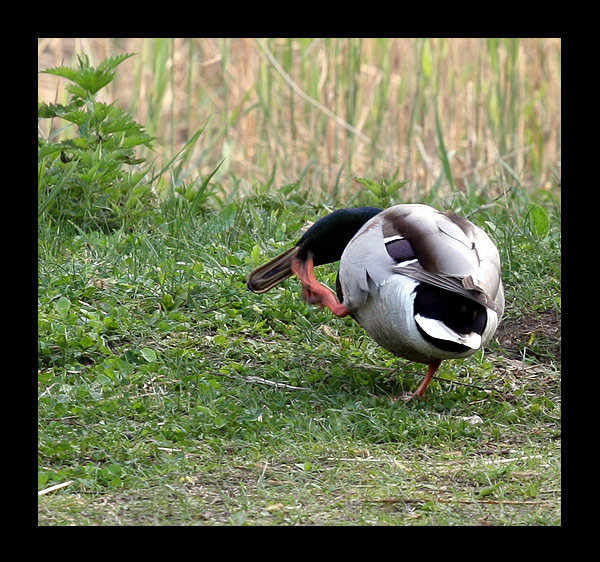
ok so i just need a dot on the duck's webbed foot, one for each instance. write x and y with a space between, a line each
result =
314 292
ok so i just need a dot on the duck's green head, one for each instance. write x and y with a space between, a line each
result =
324 242
326 239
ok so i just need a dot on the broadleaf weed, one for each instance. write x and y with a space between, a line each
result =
87 178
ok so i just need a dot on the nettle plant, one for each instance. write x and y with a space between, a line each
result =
94 179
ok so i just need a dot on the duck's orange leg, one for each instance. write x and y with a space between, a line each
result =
433 367
314 292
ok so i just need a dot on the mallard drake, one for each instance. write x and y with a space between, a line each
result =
424 284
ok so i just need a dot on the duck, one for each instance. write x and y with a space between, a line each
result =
424 284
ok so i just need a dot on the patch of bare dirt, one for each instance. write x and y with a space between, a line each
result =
537 335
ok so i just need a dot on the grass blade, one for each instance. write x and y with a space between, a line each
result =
200 198
46 203
185 147
442 147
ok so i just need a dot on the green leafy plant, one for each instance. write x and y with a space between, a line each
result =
385 192
92 179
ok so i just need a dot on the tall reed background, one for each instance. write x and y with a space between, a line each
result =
444 114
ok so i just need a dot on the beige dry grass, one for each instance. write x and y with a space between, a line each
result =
340 108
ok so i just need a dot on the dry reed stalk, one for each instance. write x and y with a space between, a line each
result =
290 106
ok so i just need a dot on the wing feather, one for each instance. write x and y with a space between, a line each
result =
452 252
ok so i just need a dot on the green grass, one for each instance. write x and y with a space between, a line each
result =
169 394
150 346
